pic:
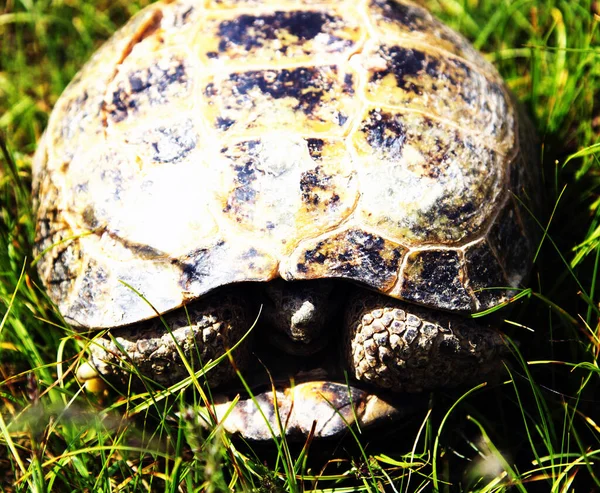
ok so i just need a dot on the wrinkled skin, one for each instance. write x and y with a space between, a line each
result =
382 343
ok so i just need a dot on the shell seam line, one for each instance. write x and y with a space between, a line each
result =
408 42
346 136
261 10
148 27
445 121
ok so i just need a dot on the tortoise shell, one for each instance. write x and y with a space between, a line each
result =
221 141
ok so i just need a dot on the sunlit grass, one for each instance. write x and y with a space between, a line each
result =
537 430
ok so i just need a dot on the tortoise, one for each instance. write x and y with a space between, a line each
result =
356 169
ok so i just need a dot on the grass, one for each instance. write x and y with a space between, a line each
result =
539 430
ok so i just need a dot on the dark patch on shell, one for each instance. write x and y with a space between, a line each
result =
341 119
422 73
197 266
409 16
315 148
273 35
436 278
385 133
354 254
224 123
91 289
251 100
312 185
65 269
512 246
456 213
151 85
172 144
140 250
349 83
246 174
45 229
410 19
89 217
250 31
305 84
405 64
484 271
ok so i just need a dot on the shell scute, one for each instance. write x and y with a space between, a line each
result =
284 187
514 248
351 254
114 181
436 278
442 86
485 274
223 263
311 99
405 19
78 117
145 83
123 285
424 181
288 36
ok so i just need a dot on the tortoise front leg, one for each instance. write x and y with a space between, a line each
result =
205 330
402 347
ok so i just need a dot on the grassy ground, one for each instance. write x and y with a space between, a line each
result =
539 430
